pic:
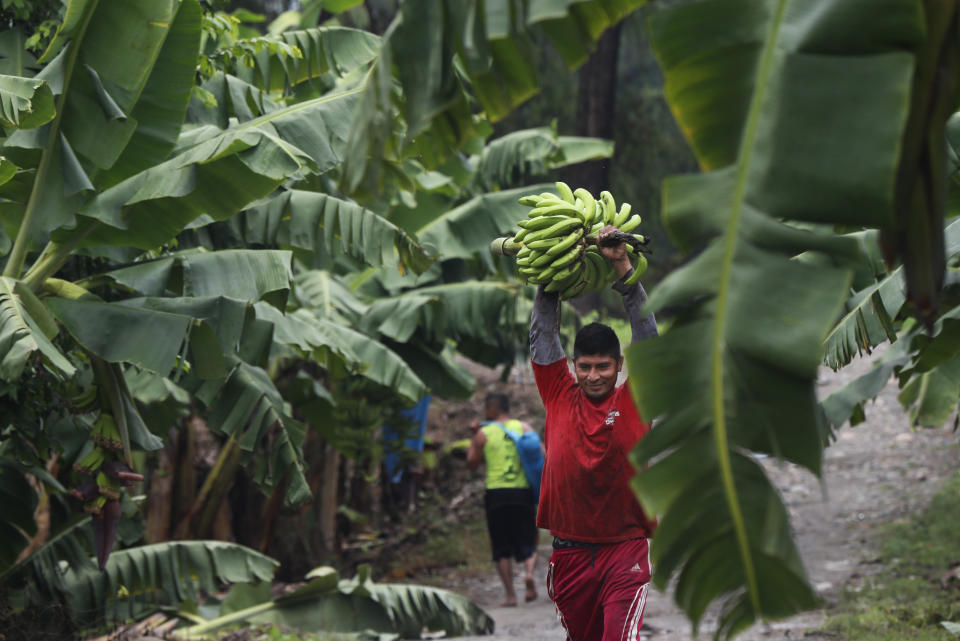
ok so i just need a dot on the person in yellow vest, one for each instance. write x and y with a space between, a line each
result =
511 511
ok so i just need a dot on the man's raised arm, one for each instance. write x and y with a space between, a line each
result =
545 347
633 295
633 298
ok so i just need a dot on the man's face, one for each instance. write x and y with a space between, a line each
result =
597 374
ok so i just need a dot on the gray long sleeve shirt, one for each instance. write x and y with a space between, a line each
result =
545 347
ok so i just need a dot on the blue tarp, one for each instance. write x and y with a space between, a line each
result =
418 415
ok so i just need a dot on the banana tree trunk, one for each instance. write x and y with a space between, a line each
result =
198 523
328 499
186 472
160 496
596 101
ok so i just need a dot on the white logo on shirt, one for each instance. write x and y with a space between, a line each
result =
611 417
636 567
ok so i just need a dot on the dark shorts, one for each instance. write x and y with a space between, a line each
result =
512 523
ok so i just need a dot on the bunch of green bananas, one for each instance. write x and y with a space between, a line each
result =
554 251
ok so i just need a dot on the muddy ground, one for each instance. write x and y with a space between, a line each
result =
878 472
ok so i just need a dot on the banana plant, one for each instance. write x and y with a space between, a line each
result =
926 364
111 157
107 173
796 122
441 47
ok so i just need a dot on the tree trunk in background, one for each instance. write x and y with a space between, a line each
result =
596 99
381 13
160 495
185 468
328 500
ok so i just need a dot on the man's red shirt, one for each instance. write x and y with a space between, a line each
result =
585 492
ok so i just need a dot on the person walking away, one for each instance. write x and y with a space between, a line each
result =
599 570
508 500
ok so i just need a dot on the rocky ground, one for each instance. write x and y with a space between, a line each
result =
875 473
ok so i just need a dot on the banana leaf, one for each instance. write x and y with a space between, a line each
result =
869 314
432 43
26 327
317 226
101 62
328 296
215 173
25 103
795 120
334 50
328 605
515 157
143 579
467 230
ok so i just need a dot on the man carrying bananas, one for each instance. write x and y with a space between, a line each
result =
599 569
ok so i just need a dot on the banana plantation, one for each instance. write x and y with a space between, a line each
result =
267 242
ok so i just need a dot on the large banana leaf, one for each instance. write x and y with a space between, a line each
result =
494 44
25 103
300 330
437 368
327 604
798 120
242 274
468 229
234 98
160 110
319 225
454 310
931 396
216 173
869 314
518 155
432 42
142 579
847 403
414 607
15 60
927 365
248 408
107 51
337 50
227 343
329 296
26 326
121 334
376 361
399 317
867 321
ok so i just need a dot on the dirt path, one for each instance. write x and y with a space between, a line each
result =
875 473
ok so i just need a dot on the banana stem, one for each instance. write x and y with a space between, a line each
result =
215 624
53 257
64 289
505 246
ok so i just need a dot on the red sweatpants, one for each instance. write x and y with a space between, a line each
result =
600 592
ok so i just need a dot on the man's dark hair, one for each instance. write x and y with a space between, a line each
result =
596 339
499 399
